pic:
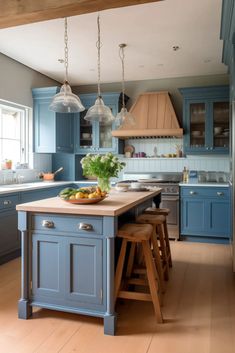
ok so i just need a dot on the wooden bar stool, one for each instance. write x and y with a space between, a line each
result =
157 221
137 234
162 212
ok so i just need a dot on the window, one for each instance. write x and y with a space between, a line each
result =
14 133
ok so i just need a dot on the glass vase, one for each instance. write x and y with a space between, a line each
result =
104 184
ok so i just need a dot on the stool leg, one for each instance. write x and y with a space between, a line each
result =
167 243
119 269
131 260
163 251
157 258
153 285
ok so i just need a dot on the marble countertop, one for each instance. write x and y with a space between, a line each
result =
205 184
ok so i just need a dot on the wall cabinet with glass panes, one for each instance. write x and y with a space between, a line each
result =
94 137
206 120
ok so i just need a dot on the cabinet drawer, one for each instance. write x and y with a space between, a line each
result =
57 224
217 192
8 202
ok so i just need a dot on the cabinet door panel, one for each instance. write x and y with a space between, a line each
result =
64 132
44 127
219 220
193 216
9 235
47 266
84 264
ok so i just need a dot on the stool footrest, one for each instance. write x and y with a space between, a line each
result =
135 295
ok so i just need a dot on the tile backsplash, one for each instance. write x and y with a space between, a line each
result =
166 146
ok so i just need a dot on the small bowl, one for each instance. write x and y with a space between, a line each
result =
136 185
121 188
86 135
196 133
218 130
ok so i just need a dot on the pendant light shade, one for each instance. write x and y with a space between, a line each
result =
123 117
99 111
65 101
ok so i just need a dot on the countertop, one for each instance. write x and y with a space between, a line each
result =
11 188
115 204
205 184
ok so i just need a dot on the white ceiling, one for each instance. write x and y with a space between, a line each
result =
150 31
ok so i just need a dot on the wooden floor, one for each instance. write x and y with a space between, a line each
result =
199 313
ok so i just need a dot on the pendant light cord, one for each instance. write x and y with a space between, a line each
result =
66 51
98 45
122 57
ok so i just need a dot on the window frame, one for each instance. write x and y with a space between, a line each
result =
25 123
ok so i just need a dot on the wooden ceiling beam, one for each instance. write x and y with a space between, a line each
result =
20 12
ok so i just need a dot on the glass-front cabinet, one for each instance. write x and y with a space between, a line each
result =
206 119
94 137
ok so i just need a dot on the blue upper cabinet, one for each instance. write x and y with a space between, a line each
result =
93 137
53 132
206 119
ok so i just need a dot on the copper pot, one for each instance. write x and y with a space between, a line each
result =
51 176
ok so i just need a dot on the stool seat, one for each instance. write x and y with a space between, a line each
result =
151 218
137 233
157 211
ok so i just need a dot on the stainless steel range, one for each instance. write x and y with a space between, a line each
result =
169 183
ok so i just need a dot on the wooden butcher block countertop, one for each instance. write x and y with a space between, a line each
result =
115 204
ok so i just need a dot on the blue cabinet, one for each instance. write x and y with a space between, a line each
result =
93 137
67 262
9 235
205 212
53 132
206 120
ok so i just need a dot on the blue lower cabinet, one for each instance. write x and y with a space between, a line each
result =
206 212
9 234
33 195
68 263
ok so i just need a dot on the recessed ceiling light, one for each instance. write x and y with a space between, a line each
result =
175 47
61 61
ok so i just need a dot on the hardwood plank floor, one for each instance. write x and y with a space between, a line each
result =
198 310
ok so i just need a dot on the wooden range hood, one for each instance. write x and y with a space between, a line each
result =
154 116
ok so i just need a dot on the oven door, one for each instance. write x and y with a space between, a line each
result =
172 202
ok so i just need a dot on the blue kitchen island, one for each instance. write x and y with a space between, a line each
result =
68 253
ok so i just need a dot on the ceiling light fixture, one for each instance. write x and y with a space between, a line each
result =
99 111
65 101
123 117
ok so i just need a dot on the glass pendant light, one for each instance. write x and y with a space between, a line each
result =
99 111
123 117
65 101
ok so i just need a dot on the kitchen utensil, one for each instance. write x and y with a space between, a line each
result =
129 148
51 176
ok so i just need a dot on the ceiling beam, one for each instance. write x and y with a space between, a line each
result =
20 12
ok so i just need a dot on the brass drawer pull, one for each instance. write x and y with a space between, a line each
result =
48 224
219 193
192 192
7 202
85 226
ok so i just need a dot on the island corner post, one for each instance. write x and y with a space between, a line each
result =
64 265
